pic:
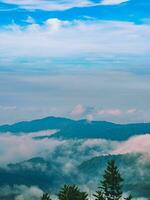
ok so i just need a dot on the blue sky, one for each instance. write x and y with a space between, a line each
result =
136 11
103 46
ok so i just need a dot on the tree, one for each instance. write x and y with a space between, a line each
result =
45 196
69 192
111 187
99 195
129 197
83 196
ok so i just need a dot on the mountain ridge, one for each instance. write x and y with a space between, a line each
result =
79 129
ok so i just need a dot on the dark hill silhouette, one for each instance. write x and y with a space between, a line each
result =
82 129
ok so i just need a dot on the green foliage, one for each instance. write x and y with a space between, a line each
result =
99 195
69 192
83 196
129 197
111 187
45 196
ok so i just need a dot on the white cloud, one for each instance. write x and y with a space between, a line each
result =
30 20
32 192
112 2
55 24
86 112
94 38
50 5
94 142
132 111
89 117
113 112
21 192
24 147
58 4
116 112
91 113
43 133
137 144
6 108
78 110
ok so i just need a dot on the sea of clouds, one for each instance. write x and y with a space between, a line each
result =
18 148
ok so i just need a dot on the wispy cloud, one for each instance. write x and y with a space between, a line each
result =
137 144
5 108
58 4
27 45
24 147
113 112
116 112
78 110
92 45
112 2
21 192
99 92
90 113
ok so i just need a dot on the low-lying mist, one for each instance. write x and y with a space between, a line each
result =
61 161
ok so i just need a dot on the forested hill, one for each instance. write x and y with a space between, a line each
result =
47 123
71 129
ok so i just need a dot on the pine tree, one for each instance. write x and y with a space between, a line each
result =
99 195
129 197
110 188
83 196
45 196
69 192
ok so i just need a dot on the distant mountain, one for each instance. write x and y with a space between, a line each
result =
96 165
37 125
82 129
136 176
46 173
100 129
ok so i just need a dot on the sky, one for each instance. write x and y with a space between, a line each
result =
75 58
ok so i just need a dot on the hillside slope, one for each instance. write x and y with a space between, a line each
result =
82 129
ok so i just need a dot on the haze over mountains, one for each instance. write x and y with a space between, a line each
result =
42 155
84 59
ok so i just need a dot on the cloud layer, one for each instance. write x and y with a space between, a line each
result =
113 2
106 95
21 192
139 144
58 4
66 156
25 147
92 44
28 45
